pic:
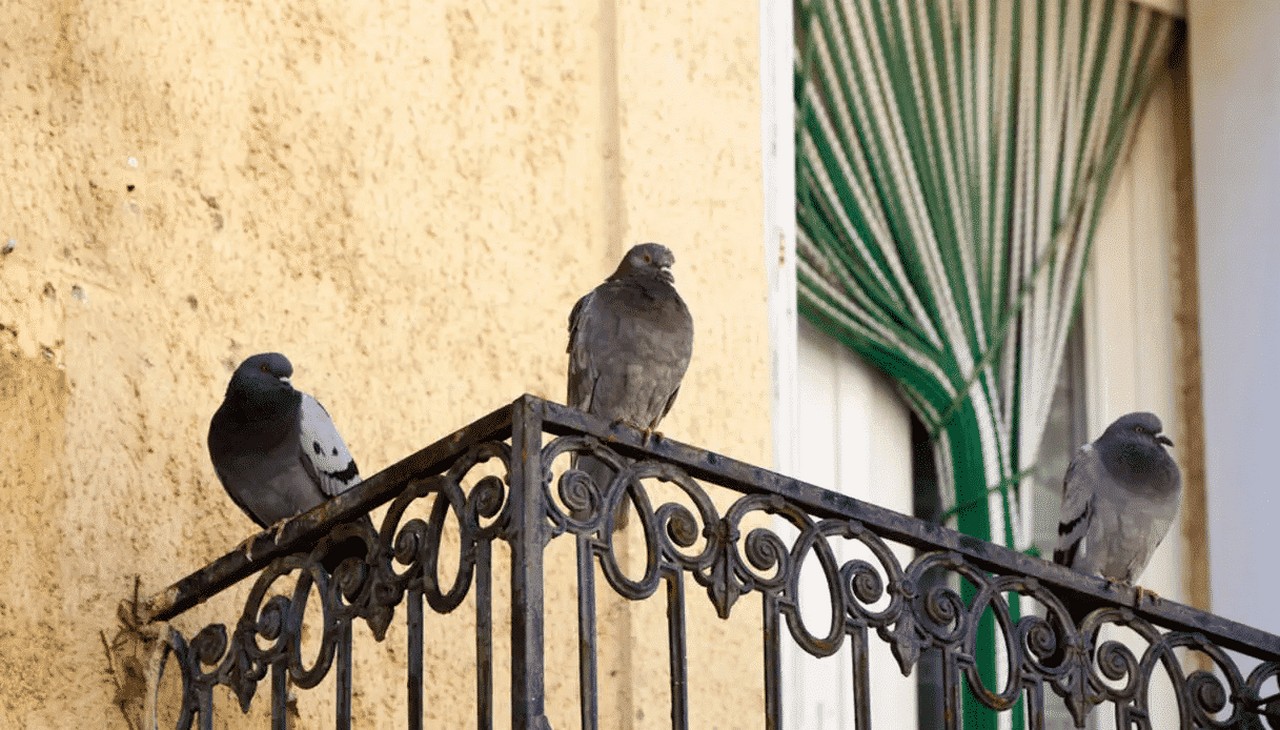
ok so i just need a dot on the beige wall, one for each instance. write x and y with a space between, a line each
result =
406 198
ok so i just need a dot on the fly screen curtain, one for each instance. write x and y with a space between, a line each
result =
952 161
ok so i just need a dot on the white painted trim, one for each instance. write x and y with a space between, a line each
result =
777 129
861 410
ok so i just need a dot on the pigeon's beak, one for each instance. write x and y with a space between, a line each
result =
1161 438
665 274
285 379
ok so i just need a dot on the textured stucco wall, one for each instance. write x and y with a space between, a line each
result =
406 198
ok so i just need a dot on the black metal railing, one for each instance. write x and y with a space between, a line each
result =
507 478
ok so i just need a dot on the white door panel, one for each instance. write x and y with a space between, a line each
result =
854 437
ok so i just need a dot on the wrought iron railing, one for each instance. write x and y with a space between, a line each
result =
1222 673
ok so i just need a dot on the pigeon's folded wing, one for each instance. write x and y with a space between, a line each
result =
582 367
1077 505
324 453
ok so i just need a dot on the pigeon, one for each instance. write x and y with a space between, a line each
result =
1119 498
276 451
630 340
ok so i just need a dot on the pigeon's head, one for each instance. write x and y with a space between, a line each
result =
1138 428
262 376
1133 449
647 260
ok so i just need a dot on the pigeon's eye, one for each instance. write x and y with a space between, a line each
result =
263 367
648 259
1139 429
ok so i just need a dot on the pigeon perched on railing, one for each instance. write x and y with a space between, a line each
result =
277 452
1119 498
630 340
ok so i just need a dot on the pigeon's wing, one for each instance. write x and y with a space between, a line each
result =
324 453
582 367
1077 505
667 408
221 441
676 346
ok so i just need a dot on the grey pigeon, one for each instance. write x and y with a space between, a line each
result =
1119 498
630 340
276 451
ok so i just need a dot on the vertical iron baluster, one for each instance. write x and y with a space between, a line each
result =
414 620
484 635
528 530
206 708
950 691
279 694
772 665
587 686
861 679
676 648
343 684
1129 716
1035 706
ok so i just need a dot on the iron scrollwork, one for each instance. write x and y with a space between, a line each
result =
733 530
401 558
1045 649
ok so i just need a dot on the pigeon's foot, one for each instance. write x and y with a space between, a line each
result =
1146 593
649 435
1141 594
1115 584
276 529
246 547
625 422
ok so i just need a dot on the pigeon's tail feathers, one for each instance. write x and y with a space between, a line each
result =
1077 609
603 475
354 546
600 474
1061 557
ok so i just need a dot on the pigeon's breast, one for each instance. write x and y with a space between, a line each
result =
1125 530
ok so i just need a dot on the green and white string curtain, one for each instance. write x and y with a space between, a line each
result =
952 160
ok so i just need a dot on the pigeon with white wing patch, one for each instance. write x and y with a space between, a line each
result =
276 451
